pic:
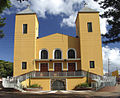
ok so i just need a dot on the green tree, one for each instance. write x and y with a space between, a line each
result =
113 34
3 5
6 68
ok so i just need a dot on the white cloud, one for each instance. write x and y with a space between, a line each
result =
54 7
114 58
103 25
69 8
70 21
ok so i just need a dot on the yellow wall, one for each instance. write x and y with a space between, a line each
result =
24 44
74 42
57 40
72 82
44 83
60 41
25 83
90 42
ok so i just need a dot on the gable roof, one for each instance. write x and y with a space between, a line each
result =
87 9
56 33
26 11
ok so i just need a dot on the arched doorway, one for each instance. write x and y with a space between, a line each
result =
58 85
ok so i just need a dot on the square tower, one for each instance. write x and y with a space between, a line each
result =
88 30
26 33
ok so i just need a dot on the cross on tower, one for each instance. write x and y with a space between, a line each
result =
28 6
22 0
84 3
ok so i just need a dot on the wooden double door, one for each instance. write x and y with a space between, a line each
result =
57 67
71 67
44 67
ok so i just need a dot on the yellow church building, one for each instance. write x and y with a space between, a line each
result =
57 61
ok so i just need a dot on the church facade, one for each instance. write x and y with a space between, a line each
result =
57 61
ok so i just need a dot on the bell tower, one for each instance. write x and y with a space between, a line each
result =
88 30
26 33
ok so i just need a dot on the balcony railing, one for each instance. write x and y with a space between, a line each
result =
39 60
57 74
38 74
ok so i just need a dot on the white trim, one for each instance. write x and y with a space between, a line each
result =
50 84
67 66
40 65
62 66
54 65
74 51
54 52
41 51
75 65
77 59
66 84
48 66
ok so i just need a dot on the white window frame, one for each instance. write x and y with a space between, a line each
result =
54 65
75 65
41 51
74 51
40 65
54 53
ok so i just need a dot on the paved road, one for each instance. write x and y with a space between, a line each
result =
10 94
108 92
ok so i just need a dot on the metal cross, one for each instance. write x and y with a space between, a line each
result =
84 3
28 5
22 0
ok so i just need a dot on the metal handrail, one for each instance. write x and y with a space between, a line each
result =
59 74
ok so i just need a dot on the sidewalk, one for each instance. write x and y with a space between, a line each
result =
110 92
110 89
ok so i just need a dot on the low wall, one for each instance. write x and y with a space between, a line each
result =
44 83
25 83
72 82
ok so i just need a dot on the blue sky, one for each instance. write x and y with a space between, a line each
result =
55 16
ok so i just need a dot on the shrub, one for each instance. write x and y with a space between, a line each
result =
83 85
34 86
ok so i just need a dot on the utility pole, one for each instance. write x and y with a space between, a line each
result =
116 68
108 67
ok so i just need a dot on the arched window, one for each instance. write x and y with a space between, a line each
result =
71 54
57 54
44 54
